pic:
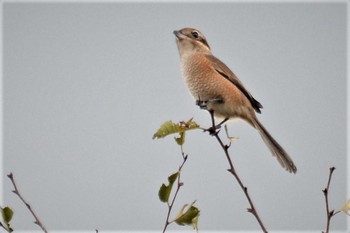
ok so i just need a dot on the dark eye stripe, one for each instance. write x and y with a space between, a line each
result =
195 34
205 42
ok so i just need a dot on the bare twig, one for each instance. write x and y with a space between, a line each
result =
215 132
8 229
330 213
37 221
178 186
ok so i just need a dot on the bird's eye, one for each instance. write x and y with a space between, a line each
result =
195 34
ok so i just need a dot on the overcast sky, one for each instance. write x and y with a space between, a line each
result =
86 85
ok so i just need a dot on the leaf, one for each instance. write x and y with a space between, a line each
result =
6 216
165 190
169 127
346 207
7 213
188 215
195 222
181 139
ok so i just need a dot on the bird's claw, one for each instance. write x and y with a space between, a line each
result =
203 104
214 130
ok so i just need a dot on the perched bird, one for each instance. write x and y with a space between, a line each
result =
217 89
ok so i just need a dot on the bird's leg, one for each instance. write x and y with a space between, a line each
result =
203 104
218 126
213 130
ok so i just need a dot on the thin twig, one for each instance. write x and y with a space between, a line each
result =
179 185
214 132
8 229
330 213
37 220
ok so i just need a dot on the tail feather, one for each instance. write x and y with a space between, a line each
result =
276 149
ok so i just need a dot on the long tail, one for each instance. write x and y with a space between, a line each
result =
275 148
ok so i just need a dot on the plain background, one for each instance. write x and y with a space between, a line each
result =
85 86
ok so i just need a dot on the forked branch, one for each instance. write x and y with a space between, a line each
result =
330 213
16 191
213 130
178 186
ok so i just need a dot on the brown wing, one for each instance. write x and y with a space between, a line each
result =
226 73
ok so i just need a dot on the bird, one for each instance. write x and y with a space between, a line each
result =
217 89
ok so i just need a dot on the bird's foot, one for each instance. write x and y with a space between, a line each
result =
203 104
214 130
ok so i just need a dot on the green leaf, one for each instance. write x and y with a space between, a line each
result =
181 139
8 213
6 216
188 215
165 190
170 127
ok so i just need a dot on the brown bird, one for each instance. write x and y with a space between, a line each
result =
216 88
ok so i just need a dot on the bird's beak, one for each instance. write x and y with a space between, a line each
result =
179 35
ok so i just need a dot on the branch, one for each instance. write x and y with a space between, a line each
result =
179 185
37 221
214 132
330 213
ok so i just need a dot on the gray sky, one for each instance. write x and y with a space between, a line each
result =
86 85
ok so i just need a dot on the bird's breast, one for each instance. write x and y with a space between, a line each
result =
206 84
198 76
